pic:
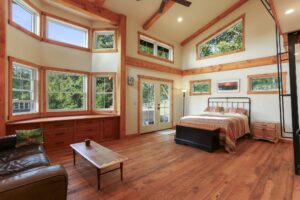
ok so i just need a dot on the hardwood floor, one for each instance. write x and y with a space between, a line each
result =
160 169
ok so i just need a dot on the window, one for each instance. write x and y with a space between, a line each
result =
230 40
265 83
25 16
63 32
104 92
105 40
152 47
66 91
200 87
24 89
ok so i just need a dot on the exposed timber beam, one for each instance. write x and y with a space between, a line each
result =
274 13
214 21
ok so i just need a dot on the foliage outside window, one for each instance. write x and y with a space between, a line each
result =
266 83
229 40
152 47
148 104
105 40
105 92
25 16
200 87
66 91
164 111
64 32
24 89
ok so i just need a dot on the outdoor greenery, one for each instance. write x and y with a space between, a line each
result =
146 47
104 92
264 84
66 91
227 41
104 40
163 52
164 103
201 87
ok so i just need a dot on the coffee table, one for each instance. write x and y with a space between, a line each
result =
99 156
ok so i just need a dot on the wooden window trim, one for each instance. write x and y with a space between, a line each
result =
46 113
19 27
200 81
12 117
114 75
219 31
115 49
249 77
63 44
159 41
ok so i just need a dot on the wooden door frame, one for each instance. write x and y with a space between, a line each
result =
140 77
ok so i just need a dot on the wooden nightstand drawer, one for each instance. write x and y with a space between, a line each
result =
261 125
266 131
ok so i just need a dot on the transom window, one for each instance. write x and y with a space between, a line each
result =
104 92
25 16
229 40
105 40
152 47
66 91
64 32
24 89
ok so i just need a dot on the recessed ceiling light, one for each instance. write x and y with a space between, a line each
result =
289 11
179 19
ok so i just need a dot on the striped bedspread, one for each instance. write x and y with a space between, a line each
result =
232 126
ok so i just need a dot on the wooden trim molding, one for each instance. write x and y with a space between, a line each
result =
214 21
156 40
152 66
242 17
3 77
250 77
200 81
273 9
115 49
157 15
257 62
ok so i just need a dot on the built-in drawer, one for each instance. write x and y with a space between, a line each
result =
55 125
87 130
61 132
58 142
88 122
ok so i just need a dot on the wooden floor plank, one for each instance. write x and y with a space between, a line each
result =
160 169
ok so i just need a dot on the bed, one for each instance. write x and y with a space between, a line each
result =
225 120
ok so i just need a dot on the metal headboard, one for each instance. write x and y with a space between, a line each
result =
232 102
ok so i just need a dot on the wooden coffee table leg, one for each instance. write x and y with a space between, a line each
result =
121 168
99 176
74 157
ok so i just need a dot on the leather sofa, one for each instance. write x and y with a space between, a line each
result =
26 173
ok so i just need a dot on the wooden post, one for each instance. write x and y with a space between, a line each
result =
3 17
122 75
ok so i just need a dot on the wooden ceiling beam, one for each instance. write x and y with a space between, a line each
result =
214 21
157 15
96 12
274 13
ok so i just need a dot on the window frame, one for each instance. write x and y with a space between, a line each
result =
267 75
99 74
114 49
67 23
219 31
156 42
27 5
21 116
47 112
192 93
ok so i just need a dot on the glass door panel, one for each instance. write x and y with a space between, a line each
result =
164 105
148 104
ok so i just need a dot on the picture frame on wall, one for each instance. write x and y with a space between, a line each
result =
200 87
229 86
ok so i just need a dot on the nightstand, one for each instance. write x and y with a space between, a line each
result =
266 131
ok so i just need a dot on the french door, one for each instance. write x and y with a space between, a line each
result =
155 104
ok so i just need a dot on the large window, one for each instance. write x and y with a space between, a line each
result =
66 91
105 40
25 16
63 32
24 89
153 47
104 92
229 39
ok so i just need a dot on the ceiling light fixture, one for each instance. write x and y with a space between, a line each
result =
179 19
289 11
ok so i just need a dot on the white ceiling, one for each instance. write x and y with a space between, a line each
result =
288 23
194 17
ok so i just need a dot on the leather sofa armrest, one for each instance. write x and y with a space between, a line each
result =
8 142
43 183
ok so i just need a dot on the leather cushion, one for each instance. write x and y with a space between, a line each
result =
14 154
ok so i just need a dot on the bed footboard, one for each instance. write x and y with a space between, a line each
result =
207 140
